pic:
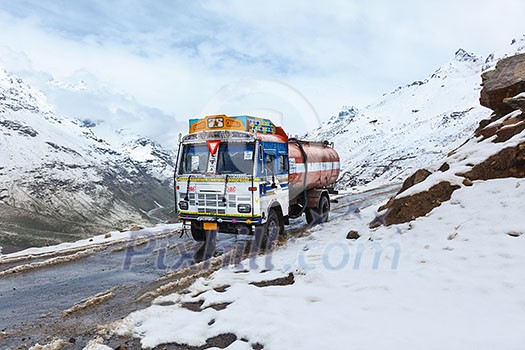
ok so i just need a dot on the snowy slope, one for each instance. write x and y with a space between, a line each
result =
413 125
451 280
57 175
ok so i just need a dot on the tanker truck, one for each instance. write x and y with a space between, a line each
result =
242 174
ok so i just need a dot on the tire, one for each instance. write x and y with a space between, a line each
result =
197 233
274 227
316 216
268 233
311 215
324 208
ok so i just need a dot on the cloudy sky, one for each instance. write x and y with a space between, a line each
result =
154 64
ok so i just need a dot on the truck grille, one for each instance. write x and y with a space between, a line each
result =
212 202
206 202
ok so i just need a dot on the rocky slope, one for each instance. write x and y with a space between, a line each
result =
59 180
496 149
414 125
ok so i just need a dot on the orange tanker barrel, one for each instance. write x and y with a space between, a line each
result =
320 170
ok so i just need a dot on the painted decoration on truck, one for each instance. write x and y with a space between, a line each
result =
263 126
237 123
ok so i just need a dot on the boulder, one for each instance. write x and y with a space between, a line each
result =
417 177
509 162
444 167
504 128
516 102
506 81
408 208
467 182
352 235
507 131
489 131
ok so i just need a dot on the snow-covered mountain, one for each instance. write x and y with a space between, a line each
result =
413 125
59 179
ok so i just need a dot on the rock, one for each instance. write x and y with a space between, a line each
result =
352 235
444 167
514 120
417 177
387 204
483 124
467 182
488 131
136 228
516 102
378 221
506 132
509 162
107 235
506 128
408 208
506 81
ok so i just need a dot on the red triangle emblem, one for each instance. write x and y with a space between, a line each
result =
213 145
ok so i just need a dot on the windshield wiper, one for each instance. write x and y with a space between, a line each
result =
187 188
225 188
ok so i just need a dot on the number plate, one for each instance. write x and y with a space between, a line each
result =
210 226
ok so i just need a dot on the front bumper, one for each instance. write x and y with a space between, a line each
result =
221 218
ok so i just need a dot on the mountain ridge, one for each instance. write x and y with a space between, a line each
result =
60 180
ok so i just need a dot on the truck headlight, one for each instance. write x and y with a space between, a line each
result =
183 205
244 208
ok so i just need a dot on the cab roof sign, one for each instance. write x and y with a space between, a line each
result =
238 123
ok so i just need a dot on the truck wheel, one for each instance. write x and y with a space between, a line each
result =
324 208
270 231
311 215
197 233
315 216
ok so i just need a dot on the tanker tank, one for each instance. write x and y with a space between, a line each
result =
312 165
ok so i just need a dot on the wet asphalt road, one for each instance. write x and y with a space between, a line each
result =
32 302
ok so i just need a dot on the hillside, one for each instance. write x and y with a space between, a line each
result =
496 150
60 181
412 125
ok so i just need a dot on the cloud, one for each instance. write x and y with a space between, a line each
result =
177 56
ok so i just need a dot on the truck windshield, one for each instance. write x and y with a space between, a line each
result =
194 159
235 158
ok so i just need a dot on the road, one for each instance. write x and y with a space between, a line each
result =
91 286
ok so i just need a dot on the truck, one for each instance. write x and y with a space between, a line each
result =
244 175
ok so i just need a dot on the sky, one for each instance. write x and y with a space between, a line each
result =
152 65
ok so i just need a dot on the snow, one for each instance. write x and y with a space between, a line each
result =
96 344
57 344
452 279
472 153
